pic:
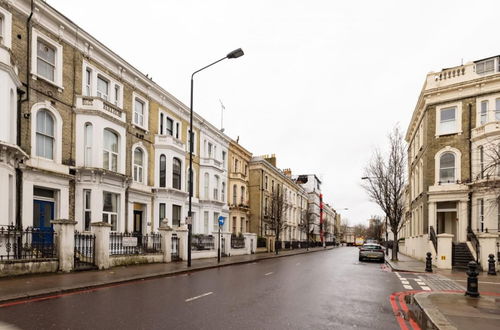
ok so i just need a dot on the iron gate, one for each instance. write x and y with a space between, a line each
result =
84 251
175 248
223 248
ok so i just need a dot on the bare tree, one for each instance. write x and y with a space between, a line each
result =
360 230
386 180
306 225
375 228
275 221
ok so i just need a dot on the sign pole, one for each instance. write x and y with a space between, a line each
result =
218 249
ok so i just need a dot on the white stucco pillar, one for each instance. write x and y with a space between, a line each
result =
488 245
166 241
432 215
101 231
182 234
250 243
462 221
227 248
65 243
444 252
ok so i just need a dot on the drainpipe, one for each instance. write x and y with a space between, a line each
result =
469 195
20 101
261 200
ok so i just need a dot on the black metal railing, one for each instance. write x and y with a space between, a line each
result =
202 242
134 243
295 244
471 236
84 251
237 242
261 242
432 235
175 248
287 244
32 244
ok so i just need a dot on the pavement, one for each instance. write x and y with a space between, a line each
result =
39 285
450 308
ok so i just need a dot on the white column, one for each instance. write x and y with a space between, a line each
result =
462 221
101 231
166 241
182 234
65 243
487 243
444 252
432 215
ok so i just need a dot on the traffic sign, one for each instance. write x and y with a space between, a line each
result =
221 220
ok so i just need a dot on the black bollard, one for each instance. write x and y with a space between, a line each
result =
491 265
428 263
472 287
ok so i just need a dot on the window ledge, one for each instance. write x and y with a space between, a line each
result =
35 76
142 128
448 134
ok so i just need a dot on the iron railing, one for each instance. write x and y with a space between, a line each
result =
471 236
134 243
84 251
34 244
432 235
202 242
295 244
237 242
261 242
175 248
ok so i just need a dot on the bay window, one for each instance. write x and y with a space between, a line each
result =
110 209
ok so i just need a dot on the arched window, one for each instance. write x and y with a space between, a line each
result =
223 192
206 185
88 144
110 151
163 171
176 174
235 202
44 134
138 165
447 167
216 188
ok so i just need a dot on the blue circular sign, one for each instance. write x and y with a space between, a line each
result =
221 220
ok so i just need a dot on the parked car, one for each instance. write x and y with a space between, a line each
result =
371 251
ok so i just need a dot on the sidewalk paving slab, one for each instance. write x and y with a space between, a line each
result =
405 263
37 285
448 310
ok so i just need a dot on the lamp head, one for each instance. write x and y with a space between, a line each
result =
236 53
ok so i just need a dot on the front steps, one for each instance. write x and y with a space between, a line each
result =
461 255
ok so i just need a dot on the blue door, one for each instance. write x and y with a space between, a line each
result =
43 212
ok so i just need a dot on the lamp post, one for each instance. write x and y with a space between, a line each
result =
234 54
369 178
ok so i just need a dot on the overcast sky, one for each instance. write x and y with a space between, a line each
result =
321 83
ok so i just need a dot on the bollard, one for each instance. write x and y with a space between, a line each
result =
472 287
428 263
491 265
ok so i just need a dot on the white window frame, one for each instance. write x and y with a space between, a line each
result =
45 135
145 115
111 152
216 188
6 28
216 222
458 161
480 66
115 88
483 112
109 214
58 123
458 118
87 210
88 132
58 69
480 215
138 170
104 96
206 186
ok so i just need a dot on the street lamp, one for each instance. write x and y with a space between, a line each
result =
369 178
234 54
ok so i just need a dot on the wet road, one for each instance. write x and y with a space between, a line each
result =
322 290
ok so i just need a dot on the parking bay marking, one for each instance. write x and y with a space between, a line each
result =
198 297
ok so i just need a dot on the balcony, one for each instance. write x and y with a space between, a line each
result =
169 141
211 162
488 129
94 103
238 175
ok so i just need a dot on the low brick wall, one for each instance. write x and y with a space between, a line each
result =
204 254
123 260
22 267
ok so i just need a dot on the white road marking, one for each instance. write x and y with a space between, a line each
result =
266 274
200 296
426 288
397 274
405 282
408 287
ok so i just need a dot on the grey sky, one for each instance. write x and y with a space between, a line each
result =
321 83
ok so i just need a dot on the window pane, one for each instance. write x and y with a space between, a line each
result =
49 147
447 127
114 162
138 156
102 88
163 169
105 160
45 52
45 70
448 114
447 160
